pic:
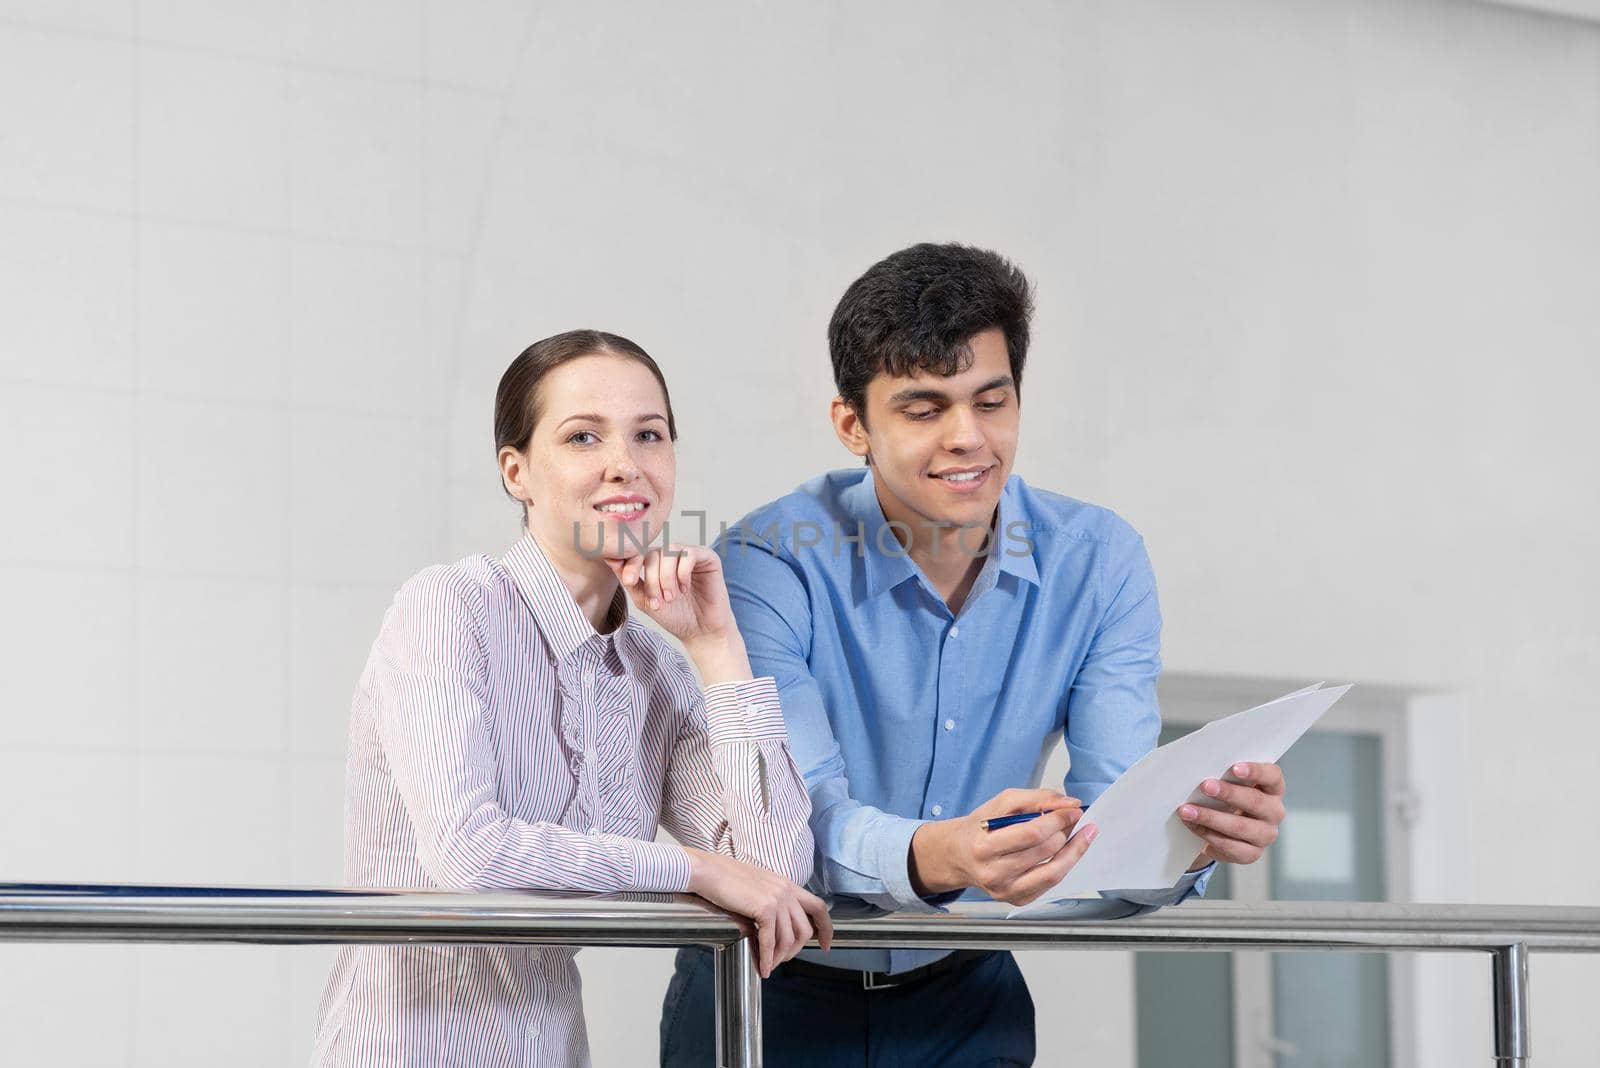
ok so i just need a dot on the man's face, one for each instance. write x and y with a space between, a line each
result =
942 448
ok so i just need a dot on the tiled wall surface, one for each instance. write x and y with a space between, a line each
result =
231 239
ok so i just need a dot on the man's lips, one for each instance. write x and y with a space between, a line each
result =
963 485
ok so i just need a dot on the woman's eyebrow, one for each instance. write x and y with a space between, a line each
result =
595 417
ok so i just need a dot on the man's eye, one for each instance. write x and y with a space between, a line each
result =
919 413
992 406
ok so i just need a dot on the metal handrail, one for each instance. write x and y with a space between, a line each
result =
103 913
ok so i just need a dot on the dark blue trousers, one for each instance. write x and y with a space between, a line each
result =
978 1017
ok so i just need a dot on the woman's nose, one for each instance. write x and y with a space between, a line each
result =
623 469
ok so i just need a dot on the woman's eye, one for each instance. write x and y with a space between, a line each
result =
649 435
587 435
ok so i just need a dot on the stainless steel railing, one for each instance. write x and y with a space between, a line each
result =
100 913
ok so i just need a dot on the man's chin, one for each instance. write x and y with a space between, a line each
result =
972 513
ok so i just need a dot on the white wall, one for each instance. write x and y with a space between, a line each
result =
1317 311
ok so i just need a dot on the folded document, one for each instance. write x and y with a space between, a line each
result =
1142 843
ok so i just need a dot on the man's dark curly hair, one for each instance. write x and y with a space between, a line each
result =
917 309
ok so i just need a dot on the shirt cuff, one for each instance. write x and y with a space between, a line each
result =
739 711
892 844
660 867
1198 881
1189 884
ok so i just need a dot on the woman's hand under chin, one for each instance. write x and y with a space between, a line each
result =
681 588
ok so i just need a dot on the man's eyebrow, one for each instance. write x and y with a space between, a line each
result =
1001 382
907 396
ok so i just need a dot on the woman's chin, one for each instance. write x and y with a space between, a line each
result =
629 537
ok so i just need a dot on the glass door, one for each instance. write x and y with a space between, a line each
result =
1286 1010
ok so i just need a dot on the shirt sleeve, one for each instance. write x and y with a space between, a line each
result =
429 680
1113 717
861 851
731 786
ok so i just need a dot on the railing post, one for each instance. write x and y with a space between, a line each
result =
1513 1047
738 998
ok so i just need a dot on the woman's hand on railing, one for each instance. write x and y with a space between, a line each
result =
786 915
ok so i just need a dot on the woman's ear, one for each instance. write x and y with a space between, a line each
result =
849 426
513 472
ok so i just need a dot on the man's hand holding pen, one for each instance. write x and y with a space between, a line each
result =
1015 862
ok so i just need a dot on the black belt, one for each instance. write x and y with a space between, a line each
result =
946 965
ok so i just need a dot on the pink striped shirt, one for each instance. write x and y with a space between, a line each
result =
498 742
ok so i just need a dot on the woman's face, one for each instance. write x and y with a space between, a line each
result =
600 460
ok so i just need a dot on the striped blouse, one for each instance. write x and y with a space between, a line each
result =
497 742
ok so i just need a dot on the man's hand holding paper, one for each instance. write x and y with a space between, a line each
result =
1240 832
1151 821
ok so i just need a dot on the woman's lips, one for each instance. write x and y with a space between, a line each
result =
633 514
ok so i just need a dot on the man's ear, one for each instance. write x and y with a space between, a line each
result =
850 427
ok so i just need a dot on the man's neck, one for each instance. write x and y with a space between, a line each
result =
951 562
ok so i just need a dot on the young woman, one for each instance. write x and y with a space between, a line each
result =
517 728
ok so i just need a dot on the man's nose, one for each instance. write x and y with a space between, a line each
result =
962 432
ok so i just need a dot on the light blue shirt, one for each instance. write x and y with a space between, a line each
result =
899 712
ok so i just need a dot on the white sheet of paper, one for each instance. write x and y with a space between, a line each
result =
1142 844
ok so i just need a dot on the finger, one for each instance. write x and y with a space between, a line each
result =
1244 828
1230 850
1250 800
659 566
800 924
1031 884
783 944
821 922
1016 865
1020 837
685 572
669 576
1268 777
647 579
764 937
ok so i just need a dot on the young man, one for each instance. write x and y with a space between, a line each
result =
935 624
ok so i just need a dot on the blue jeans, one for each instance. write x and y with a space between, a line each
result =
978 1017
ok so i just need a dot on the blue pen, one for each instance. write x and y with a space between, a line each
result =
1006 821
